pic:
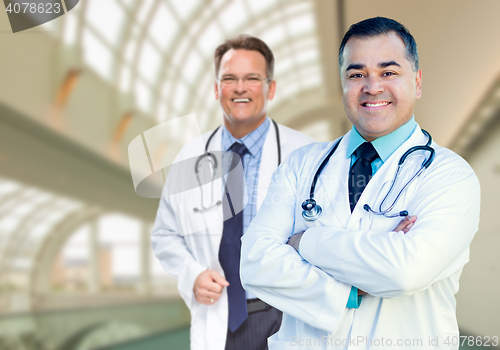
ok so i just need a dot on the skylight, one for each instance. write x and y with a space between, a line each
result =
97 55
164 48
106 17
164 27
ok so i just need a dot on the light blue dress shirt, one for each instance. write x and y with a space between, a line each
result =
251 165
385 146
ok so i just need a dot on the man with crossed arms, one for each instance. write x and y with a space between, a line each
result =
353 279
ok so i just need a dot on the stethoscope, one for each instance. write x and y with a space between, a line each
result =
212 160
312 211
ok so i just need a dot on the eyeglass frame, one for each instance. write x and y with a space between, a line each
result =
244 79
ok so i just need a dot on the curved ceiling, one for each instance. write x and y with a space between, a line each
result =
28 216
160 52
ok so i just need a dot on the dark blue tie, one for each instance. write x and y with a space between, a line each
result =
230 245
361 172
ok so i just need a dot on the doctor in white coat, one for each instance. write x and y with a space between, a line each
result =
399 277
186 241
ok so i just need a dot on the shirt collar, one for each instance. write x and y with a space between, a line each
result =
385 145
253 141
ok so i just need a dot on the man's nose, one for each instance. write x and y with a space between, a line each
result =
240 85
373 86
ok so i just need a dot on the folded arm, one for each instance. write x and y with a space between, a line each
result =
274 272
404 225
392 264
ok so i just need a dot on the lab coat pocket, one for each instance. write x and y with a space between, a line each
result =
450 335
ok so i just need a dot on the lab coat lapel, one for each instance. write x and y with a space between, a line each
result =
269 162
381 181
333 183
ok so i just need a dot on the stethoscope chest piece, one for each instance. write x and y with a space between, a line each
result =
311 210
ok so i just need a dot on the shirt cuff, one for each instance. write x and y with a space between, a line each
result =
354 299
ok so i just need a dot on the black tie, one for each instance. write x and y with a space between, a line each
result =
361 172
230 245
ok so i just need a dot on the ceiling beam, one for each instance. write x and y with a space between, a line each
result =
37 156
329 23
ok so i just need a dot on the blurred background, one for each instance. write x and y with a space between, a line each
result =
76 269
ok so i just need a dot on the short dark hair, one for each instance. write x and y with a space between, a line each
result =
245 42
378 26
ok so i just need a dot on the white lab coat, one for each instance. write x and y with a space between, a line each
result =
187 242
411 278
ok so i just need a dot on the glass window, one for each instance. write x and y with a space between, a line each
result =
128 3
259 6
306 56
311 81
210 39
274 35
181 93
149 62
298 7
97 55
70 28
125 79
283 66
179 52
143 96
184 8
287 90
301 25
234 16
120 234
185 34
164 27
130 50
106 17
192 67
144 11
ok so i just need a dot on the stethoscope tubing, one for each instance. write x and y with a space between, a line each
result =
312 211
213 160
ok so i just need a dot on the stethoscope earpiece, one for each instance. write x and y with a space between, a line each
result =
370 210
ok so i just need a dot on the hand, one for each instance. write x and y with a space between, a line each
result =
294 241
406 224
360 292
208 287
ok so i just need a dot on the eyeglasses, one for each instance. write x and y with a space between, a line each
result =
251 81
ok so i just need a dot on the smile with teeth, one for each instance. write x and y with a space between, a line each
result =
368 104
241 100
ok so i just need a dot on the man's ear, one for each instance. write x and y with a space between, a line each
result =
418 81
272 90
216 90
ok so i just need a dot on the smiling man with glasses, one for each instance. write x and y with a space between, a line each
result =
244 83
206 263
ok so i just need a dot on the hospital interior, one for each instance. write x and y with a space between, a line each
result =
76 265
